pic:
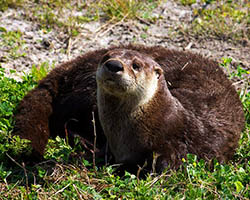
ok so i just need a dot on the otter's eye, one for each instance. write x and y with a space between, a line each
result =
136 67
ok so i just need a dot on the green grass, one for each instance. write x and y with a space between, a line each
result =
226 20
222 19
117 10
240 74
66 175
13 43
48 13
5 4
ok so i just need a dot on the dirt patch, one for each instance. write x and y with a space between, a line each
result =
55 46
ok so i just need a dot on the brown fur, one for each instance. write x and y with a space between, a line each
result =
196 109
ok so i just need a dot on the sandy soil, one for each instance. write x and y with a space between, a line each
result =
56 46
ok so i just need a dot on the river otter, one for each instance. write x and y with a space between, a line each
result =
145 100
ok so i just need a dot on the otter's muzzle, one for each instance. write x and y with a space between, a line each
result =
113 66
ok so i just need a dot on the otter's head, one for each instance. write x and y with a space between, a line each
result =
128 74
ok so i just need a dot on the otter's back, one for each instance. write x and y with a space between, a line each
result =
207 95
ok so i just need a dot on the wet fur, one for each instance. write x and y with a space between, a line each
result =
202 114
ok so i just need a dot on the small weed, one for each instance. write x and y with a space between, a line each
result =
222 19
120 9
11 92
226 62
239 73
117 10
144 36
244 76
47 18
187 2
12 42
5 4
58 150
47 14
39 72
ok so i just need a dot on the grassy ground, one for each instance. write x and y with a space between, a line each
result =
63 175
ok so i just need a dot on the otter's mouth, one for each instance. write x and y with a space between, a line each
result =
107 78
110 80
112 83
113 77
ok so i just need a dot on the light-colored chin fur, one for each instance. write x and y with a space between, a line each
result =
135 92
118 114
149 90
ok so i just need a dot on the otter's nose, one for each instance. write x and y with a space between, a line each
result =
114 66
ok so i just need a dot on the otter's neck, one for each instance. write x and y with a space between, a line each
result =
133 129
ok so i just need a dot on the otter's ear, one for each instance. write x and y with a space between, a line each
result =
159 71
